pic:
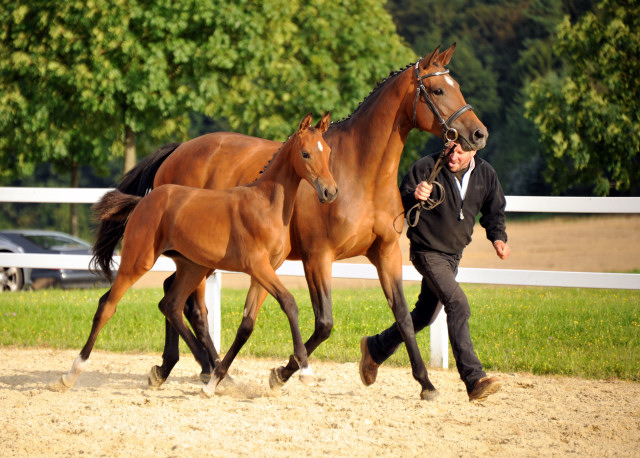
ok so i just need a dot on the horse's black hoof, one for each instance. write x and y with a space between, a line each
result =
204 378
429 395
155 379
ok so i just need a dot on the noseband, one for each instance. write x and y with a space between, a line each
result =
449 134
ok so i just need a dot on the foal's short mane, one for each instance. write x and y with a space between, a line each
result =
311 129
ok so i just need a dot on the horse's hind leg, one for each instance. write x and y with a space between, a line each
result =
188 277
195 314
106 308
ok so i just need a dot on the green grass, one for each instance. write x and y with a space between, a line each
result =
578 332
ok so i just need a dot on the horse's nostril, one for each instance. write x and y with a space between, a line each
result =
479 134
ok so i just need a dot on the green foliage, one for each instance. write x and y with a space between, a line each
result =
574 332
79 76
588 115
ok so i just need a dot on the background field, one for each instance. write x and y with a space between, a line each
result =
110 411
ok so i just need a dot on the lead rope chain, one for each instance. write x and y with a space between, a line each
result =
430 203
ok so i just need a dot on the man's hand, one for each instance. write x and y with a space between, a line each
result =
423 191
502 249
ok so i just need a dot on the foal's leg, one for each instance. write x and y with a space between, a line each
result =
188 277
196 313
253 302
317 270
106 308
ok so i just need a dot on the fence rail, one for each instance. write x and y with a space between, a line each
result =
439 338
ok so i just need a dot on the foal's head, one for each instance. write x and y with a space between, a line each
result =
310 157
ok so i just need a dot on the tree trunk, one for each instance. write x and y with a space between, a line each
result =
129 149
73 213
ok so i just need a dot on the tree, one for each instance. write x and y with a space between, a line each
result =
588 116
82 80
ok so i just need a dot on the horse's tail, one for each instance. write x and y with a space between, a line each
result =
136 182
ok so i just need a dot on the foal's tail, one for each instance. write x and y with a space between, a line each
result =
136 182
115 208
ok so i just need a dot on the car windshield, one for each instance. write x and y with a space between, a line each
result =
57 242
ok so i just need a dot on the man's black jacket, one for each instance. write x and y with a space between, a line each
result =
441 228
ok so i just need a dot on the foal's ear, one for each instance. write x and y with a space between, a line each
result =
444 58
430 59
306 122
323 124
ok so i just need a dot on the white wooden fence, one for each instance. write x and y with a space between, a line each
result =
439 337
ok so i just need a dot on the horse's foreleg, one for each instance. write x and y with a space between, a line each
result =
388 262
253 303
318 275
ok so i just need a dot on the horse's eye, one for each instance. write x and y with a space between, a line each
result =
438 92
306 155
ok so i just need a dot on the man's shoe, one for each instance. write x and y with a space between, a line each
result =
368 367
484 388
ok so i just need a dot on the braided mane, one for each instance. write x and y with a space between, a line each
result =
381 83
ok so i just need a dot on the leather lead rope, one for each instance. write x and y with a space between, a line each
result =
449 134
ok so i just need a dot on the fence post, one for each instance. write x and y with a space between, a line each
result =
439 337
213 302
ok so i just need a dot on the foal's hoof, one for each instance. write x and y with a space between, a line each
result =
204 378
59 387
429 395
210 388
275 379
308 379
65 384
155 379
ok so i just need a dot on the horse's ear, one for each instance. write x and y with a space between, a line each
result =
428 61
323 124
306 122
444 58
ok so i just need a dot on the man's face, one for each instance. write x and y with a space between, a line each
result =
459 159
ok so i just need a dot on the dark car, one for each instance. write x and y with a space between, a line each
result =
49 242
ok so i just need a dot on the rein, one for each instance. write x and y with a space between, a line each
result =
449 134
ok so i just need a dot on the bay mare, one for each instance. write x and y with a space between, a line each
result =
365 220
244 229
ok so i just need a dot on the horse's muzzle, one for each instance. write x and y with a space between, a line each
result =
326 194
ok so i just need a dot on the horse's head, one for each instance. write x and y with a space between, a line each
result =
311 157
439 106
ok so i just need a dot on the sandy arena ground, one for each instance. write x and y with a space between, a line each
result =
110 411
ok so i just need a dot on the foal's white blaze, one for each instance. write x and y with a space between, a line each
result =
320 145
449 80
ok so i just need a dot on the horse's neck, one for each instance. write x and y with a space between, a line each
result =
279 183
376 133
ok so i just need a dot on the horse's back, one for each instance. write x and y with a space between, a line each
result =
218 160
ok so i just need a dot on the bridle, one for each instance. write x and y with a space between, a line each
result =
449 134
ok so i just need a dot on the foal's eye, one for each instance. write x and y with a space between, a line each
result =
306 155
